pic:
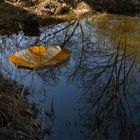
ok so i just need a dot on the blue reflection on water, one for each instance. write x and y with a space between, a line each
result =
65 86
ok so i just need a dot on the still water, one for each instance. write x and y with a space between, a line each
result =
96 94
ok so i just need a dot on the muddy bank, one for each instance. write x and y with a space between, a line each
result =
15 15
17 116
28 16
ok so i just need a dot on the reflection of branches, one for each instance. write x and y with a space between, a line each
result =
102 69
58 31
112 103
106 83
49 76
67 38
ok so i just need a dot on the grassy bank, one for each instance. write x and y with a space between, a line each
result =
16 114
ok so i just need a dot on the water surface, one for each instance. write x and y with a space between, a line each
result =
95 95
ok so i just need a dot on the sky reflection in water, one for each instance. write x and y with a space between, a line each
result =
96 94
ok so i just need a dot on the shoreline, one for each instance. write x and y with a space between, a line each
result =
17 115
14 15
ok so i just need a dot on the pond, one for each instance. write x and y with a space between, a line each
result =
96 94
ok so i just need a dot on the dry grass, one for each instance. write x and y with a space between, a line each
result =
16 114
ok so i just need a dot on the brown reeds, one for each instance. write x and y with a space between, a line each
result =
16 114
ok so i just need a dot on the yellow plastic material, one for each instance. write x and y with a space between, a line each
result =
40 56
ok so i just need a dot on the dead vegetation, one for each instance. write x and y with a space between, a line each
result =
16 115
14 13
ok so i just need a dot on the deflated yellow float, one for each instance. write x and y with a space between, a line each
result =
40 56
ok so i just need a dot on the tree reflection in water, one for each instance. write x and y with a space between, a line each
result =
102 64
